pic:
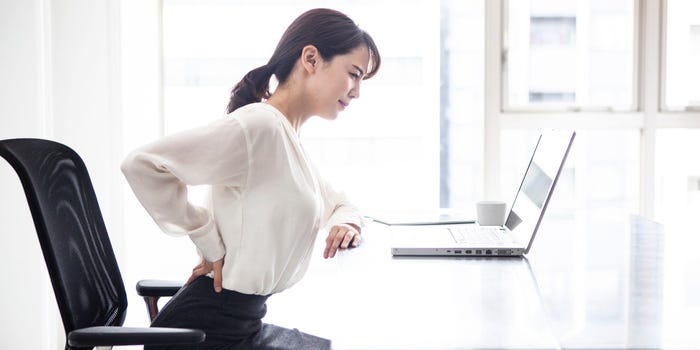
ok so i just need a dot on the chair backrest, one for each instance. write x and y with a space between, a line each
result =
84 273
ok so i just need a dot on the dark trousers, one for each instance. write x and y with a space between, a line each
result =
231 320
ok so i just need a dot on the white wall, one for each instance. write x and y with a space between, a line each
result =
21 266
151 254
60 69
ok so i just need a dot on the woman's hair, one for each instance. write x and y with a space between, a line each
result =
330 31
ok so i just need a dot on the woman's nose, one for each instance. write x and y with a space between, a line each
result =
355 91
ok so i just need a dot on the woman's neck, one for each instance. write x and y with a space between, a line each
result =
291 105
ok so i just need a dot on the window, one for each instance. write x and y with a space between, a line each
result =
682 39
420 123
413 139
569 55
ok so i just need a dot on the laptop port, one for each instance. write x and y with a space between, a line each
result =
478 251
502 252
467 252
458 252
488 251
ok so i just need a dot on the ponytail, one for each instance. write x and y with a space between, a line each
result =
254 87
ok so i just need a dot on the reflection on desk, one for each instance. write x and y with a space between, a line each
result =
604 283
609 283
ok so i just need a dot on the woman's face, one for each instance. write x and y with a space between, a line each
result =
337 82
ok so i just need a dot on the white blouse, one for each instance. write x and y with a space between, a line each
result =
267 201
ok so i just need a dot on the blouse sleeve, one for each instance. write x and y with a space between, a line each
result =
338 208
159 173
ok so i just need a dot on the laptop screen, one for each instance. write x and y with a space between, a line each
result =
538 183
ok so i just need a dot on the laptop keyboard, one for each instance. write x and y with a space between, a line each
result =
479 234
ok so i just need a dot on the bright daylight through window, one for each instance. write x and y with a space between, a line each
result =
412 140
415 137
682 89
570 55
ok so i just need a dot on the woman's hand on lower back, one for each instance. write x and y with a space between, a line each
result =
204 268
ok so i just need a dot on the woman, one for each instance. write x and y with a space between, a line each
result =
267 201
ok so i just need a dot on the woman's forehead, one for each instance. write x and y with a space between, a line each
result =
357 57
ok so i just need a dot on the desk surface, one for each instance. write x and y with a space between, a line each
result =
582 286
609 282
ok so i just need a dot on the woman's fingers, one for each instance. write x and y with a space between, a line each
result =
191 279
195 273
329 242
347 238
217 267
202 269
356 240
340 236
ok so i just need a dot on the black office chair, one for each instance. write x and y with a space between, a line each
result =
86 280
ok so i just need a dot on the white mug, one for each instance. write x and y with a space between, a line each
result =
490 213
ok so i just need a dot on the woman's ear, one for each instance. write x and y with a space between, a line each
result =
310 58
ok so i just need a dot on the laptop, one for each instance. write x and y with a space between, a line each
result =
515 237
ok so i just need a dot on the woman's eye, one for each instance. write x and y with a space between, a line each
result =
354 75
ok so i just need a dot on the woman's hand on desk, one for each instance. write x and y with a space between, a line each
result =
204 268
341 236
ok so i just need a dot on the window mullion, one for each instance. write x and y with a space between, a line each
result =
649 86
493 42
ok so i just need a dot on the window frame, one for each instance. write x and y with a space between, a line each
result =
507 107
649 84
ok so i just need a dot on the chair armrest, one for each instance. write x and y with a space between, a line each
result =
158 288
107 336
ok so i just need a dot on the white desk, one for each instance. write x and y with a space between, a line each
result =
366 299
590 281
610 281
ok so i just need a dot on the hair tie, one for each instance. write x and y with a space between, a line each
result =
267 69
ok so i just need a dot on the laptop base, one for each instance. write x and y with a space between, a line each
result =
496 251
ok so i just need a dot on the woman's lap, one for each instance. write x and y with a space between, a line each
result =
230 320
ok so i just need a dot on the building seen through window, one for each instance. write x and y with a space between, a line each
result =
570 54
